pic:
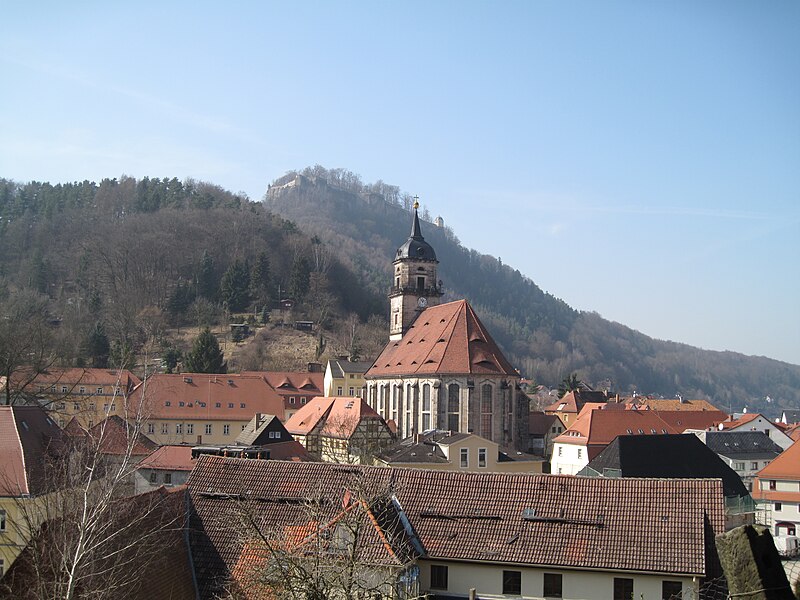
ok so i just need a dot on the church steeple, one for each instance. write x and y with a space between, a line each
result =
415 285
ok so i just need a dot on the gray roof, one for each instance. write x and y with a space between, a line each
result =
791 416
251 432
416 247
742 444
340 367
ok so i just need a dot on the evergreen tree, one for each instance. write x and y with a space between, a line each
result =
170 359
260 279
205 355
300 278
570 383
97 346
206 283
179 301
234 288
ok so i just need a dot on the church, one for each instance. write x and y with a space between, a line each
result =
441 369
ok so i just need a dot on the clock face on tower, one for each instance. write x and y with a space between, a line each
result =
422 302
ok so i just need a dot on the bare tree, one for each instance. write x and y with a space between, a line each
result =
26 343
351 543
86 540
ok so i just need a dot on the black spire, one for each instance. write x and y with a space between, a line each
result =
416 247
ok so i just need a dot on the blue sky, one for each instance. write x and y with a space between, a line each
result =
637 159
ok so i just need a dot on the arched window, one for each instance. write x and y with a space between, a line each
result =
426 406
486 411
453 406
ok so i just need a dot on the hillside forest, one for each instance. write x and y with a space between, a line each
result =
124 272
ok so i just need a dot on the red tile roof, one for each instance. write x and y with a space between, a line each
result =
785 466
169 458
669 403
28 439
448 338
76 377
650 525
292 384
112 434
601 426
228 397
332 416
573 402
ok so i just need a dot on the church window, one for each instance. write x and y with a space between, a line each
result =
453 405
397 282
407 426
426 407
486 411
420 283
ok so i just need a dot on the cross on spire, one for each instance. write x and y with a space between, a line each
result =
416 202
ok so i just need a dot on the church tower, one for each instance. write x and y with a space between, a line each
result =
415 286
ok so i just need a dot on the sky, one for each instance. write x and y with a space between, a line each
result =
636 159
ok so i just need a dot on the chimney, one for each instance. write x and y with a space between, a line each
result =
259 420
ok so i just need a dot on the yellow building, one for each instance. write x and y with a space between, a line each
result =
345 378
446 451
200 408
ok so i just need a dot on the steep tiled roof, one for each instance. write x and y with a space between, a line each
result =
288 384
28 439
448 338
336 416
651 525
601 426
169 458
665 456
208 397
112 434
91 378
786 466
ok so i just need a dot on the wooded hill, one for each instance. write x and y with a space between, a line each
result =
540 334
119 265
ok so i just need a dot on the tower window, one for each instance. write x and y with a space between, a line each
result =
397 282
420 283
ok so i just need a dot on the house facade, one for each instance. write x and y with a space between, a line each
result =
746 452
467 452
757 422
341 430
345 378
200 408
777 491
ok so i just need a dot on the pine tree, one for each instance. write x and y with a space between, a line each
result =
234 288
206 285
260 279
300 279
98 347
205 355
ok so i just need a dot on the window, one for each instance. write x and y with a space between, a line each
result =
76 406
512 582
580 452
559 450
486 411
153 476
623 588
426 407
230 404
275 435
552 585
61 405
778 507
99 390
438 577
208 429
53 389
83 390
338 390
671 590
352 391
242 405
226 430
772 484
105 407
179 428
739 466
167 478
291 399
482 457
164 428
453 405
64 389
218 405
181 403
91 405
167 403
151 428
303 400
2 520
464 458
113 407
190 428
754 465
2 566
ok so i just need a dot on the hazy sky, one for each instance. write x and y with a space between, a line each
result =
637 159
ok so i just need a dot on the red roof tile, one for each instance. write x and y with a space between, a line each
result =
448 338
785 466
332 416
208 397
169 458
292 384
